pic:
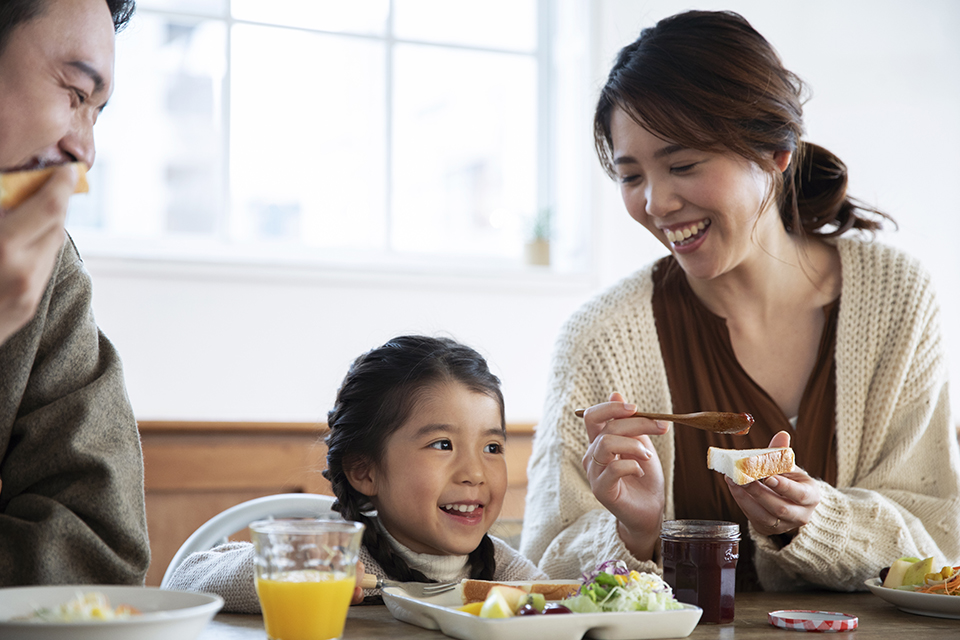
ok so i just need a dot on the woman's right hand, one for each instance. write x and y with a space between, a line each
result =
624 471
357 597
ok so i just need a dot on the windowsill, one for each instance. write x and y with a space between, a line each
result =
434 273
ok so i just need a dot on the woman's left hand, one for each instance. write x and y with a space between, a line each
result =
778 504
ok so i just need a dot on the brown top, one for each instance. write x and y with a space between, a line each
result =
704 375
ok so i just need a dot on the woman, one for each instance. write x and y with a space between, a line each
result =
830 342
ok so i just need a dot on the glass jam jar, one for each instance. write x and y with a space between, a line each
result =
700 564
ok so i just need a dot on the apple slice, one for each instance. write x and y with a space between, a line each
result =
495 606
916 573
895 576
515 597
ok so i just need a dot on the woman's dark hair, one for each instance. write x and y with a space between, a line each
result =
378 394
707 80
16 12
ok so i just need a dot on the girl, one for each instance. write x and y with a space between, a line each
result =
766 305
416 453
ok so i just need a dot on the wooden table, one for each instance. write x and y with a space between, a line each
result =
878 619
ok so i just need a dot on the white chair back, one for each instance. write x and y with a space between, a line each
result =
217 529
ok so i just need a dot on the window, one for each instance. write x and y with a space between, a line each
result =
370 132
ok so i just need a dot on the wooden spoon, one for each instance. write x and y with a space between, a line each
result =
715 421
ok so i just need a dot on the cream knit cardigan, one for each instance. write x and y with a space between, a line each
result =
898 484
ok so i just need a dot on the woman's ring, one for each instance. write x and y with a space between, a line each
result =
776 525
594 456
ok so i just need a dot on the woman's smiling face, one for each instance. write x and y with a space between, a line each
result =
703 206
441 483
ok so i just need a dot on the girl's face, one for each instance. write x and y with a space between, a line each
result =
441 482
703 206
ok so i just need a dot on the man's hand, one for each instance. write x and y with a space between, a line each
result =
30 239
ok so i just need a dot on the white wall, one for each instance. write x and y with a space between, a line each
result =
217 347
215 343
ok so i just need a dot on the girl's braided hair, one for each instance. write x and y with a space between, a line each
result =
376 397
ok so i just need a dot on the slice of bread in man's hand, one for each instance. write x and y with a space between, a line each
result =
17 186
743 466
477 590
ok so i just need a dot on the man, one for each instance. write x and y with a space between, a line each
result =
71 469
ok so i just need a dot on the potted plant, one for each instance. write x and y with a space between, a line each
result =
538 246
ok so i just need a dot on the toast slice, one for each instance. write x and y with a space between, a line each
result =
17 186
743 466
477 590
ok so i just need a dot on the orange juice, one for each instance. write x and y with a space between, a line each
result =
305 605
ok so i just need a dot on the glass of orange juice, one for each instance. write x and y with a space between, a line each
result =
305 573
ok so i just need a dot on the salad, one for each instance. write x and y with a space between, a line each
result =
913 574
86 607
943 586
611 587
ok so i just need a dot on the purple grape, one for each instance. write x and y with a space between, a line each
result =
555 608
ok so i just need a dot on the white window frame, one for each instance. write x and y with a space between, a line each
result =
564 176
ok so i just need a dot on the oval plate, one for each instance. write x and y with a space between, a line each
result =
934 605
164 615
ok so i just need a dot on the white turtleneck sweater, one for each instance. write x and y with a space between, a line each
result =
440 568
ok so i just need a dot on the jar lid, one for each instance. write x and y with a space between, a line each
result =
806 620
701 529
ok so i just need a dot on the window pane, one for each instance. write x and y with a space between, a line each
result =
507 24
310 129
355 16
464 157
307 138
203 7
159 165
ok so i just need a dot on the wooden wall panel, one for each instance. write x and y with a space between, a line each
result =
235 462
195 470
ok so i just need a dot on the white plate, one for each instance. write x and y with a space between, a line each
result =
436 613
165 614
925 604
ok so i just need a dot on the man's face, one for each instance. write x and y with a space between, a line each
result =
56 74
